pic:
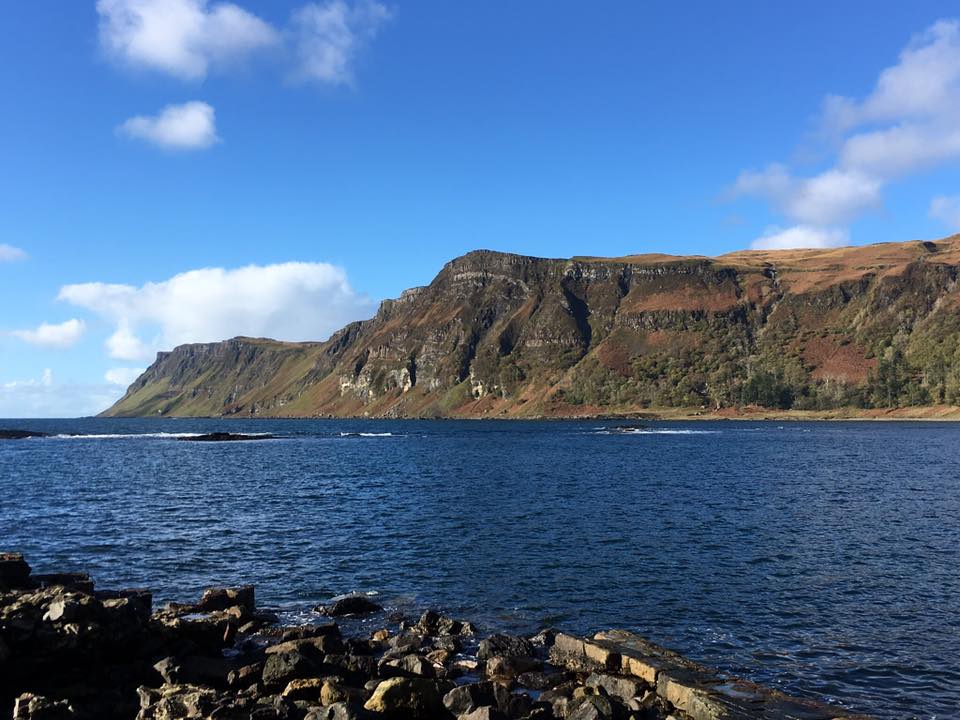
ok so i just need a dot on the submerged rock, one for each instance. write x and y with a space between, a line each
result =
224 437
354 604
21 434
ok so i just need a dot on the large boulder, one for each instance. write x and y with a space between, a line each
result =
346 605
413 698
504 646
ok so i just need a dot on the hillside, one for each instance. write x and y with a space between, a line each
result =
496 334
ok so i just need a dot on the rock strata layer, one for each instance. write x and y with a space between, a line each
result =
69 652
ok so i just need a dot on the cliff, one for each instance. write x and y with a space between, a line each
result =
497 334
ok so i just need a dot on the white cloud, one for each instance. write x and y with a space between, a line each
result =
835 196
924 83
60 336
9 253
289 301
329 35
181 37
801 236
907 124
947 210
191 126
43 397
122 376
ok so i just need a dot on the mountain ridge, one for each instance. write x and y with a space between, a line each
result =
505 335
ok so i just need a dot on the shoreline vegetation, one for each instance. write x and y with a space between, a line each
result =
70 652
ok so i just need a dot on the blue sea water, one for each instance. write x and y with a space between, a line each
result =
821 558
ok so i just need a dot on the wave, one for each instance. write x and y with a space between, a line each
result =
657 431
134 436
366 434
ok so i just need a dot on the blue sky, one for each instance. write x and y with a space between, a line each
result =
152 151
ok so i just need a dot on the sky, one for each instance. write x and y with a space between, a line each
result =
180 171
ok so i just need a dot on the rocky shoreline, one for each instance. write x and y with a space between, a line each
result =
69 651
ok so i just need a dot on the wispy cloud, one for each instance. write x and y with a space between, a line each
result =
184 38
191 126
288 301
906 125
329 36
9 253
59 336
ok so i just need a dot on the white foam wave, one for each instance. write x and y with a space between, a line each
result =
366 434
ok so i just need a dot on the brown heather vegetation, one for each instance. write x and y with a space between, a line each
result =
862 328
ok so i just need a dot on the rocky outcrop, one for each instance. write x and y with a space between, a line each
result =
507 335
70 653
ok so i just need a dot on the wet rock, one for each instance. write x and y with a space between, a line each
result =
245 676
467 698
433 623
80 582
36 707
224 437
21 434
222 598
348 605
311 646
589 707
14 571
413 698
302 632
505 646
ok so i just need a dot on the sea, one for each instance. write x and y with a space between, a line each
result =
821 558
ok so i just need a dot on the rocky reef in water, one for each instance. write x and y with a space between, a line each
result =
70 652
499 335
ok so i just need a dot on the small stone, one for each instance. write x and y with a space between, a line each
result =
304 689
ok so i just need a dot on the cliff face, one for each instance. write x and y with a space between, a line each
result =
501 334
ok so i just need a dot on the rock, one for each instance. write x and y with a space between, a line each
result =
624 688
302 632
484 713
338 711
304 689
413 698
467 698
505 646
380 635
245 676
311 646
508 668
222 598
280 668
589 707
407 666
537 680
224 437
174 702
433 623
195 670
355 604
14 571
78 581
21 434
36 707
62 609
